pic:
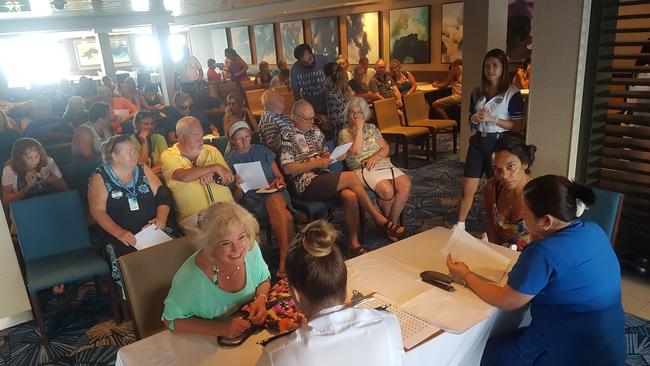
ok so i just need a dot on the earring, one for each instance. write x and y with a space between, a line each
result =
546 228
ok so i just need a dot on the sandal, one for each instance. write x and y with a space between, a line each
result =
355 251
393 231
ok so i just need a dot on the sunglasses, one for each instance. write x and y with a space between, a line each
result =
186 107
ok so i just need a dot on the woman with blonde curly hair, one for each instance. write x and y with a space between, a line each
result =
227 274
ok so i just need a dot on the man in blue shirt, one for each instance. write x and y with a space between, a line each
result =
45 127
308 78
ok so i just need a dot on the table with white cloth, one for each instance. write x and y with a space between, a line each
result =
367 273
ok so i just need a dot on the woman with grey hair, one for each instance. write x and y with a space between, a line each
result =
368 157
124 197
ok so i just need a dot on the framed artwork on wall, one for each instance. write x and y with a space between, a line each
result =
325 36
362 37
265 43
451 32
87 52
219 44
241 43
291 35
121 51
410 42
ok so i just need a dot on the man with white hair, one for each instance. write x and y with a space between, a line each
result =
273 121
196 174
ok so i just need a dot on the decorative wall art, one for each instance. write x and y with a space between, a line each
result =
452 32
291 35
87 53
363 37
409 35
325 36
265 43
241 43
14 6
120 50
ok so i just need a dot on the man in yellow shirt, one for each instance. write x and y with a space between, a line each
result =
190 169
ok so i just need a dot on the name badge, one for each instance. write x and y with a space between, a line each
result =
116 195
133 203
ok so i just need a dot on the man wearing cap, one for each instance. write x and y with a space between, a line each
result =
274 205
190 169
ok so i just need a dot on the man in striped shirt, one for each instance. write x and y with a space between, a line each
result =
273 121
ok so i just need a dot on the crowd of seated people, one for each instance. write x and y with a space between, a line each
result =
139 140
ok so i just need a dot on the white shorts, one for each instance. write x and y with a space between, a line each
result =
370 178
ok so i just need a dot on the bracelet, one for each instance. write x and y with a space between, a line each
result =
261 295
465 277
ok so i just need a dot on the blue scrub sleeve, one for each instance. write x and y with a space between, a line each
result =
532 272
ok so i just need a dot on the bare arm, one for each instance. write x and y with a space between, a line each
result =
488 194
305 166
143 158
9 196
357 143
502 297
196 172
414 85
57 182
194 325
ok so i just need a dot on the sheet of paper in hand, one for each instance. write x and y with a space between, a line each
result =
252 174
339 151
480 258
150 236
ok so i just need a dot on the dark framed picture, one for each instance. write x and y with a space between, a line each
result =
451 32
362 37
410 40
265 43
325 36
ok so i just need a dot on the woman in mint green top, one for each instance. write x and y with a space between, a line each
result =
226 275
148 145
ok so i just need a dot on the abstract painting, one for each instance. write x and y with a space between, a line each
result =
520 30
409 35
452 33
120 50
291 35
325 36
219 44
14 6
265 43
241 43
363 37
87 53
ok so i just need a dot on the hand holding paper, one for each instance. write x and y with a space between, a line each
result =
150 236
339 151
252 175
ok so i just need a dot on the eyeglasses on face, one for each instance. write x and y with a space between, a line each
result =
305 118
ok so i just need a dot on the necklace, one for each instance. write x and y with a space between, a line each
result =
216 271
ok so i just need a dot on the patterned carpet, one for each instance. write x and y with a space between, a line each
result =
82 332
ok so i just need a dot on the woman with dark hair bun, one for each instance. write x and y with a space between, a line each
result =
511 162
570 275
335 334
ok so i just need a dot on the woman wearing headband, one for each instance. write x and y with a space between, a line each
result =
571 277
334 334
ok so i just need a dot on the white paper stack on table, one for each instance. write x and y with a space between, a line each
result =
478 256
150 236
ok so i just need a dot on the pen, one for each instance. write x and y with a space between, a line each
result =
441 285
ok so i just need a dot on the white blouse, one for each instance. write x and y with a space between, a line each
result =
340 336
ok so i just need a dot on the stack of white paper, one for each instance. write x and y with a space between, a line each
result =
340 151
445 311
480 258
150 236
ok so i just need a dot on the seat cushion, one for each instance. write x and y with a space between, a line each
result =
405 131
58 269
434 123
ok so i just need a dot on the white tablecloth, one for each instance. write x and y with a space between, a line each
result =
410 256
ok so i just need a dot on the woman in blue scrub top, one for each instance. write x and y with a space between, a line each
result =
570 275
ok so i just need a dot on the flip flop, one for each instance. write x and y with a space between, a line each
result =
393 231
